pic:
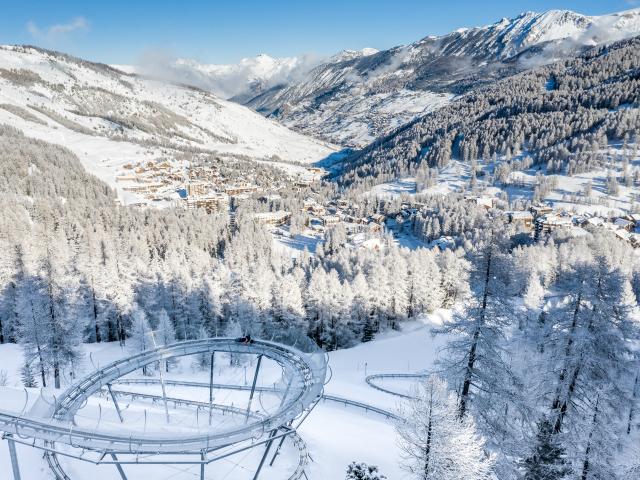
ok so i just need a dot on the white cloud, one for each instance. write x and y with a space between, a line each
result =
228 81
52 32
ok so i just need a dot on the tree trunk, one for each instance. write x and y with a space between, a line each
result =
557 401
40 358
466 386
427 450
42 372
585 464
95 314
56 374
565 402
633 401
120 328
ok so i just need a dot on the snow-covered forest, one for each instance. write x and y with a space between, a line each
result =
542 352
560 116
460 294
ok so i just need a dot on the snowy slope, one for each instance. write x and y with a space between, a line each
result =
335 434
108 117
351 100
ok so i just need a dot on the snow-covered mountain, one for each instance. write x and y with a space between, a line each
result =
353 100
243 80
108 117
240 81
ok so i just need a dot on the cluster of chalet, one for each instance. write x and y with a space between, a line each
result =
362 232
152 180
340 212
544 219
196 186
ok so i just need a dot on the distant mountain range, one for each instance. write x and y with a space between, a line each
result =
355 97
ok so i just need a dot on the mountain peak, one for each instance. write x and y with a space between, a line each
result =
352 54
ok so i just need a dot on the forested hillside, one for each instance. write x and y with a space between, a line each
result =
75 266
541 347
560 116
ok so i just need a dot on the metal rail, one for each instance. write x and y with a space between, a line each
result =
372 378
176 401
307 370
305 373
364 406
222 386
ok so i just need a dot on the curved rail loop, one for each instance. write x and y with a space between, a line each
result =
306 371
372 378
222 386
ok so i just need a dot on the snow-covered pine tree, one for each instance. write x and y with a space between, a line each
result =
399 288
141 333
454 278
60 294
288 309
360 309
474 360
30 312
548 458
437 444
362 471
27 375
165 332
165 335
426 291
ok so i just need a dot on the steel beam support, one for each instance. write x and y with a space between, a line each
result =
277 452
164 391
115 402
253 388
119 467
14 457
266 452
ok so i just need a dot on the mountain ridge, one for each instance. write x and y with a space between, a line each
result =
358 100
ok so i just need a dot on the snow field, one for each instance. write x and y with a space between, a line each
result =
334 434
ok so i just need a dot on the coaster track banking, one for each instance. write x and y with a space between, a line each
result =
306 374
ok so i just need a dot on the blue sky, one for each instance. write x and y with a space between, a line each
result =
116 31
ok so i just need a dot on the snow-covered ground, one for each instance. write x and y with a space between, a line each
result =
335 434
109 118
568 194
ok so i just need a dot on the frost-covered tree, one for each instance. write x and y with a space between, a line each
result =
362 471
141 333
165 332
27 375
475 362
288 308
437 444
548 458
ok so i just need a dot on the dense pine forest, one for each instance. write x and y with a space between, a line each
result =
560 117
